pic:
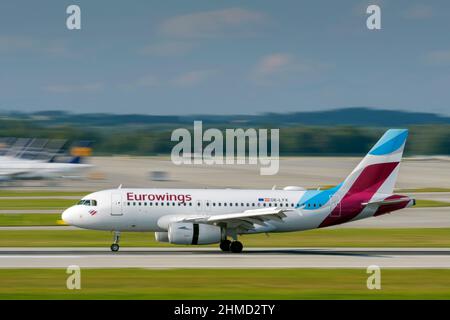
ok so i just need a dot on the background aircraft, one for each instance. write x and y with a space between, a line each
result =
35 159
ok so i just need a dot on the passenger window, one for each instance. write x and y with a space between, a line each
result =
190 204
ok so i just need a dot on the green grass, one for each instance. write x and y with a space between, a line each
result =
219 284
29 219
431 203
352 237
41 204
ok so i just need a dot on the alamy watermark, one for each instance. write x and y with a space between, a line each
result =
374 280
240 146
73 281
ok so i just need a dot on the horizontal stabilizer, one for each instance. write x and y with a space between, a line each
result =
387 201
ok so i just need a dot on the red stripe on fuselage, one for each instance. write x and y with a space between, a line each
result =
362 190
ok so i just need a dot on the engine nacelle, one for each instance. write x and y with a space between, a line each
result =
162 236
193 233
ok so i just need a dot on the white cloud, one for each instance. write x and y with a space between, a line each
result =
419 11
283 66
273 63
76 88
168 48
439 57
235 21
192 78
15 44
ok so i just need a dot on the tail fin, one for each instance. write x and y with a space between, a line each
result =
378 171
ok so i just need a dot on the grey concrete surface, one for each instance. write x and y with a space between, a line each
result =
308 172
157 258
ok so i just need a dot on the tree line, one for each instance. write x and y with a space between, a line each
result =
294 140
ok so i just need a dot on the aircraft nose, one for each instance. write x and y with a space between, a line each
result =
68 215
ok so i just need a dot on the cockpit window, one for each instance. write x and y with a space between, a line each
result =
85 202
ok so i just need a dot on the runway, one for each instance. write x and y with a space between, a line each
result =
167 258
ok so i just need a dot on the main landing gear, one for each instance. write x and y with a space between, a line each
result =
233 246
115 246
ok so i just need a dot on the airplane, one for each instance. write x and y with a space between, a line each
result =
25 169
24 161
209 216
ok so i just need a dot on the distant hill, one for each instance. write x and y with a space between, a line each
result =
347 116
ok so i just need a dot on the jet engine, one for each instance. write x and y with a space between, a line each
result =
193 233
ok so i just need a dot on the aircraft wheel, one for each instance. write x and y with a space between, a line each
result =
236 247
225 245
115 247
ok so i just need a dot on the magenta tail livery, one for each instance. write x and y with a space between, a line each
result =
205 216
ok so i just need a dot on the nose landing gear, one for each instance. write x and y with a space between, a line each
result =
115 246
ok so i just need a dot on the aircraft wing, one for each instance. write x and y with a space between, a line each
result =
245 220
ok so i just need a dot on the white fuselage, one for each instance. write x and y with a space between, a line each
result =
13 168
155 209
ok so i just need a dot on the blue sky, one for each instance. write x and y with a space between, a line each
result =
222 57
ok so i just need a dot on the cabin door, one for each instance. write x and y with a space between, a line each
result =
116 204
